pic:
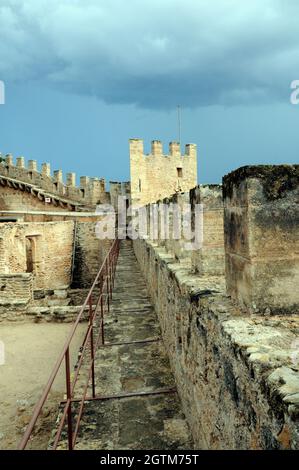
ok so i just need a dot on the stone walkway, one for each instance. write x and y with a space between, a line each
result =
153 421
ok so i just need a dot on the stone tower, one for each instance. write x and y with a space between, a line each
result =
156 176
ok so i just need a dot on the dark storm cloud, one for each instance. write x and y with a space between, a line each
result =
154 53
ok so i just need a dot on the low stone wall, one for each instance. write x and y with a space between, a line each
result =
55 314
16 289
43 306
237 375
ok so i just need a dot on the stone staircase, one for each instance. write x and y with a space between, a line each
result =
134 367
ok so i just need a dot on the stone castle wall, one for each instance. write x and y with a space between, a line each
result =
58 219
156 176
90 192
50 247
261 237
236 367
18 199
235 375
210 258
58 263
228 309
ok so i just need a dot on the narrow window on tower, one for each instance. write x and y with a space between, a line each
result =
140 186
180 172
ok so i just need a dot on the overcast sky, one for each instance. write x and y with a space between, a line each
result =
83 76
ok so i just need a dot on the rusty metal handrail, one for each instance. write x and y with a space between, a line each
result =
105 278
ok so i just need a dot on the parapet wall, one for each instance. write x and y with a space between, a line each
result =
202 209
232 334
158 175
91 191
237 376
262 237
210 258
249 230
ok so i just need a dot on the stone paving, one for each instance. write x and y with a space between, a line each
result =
153 421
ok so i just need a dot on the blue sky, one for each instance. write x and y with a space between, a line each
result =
84 76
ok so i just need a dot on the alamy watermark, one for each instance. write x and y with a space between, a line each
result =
178 222
295 94
2 92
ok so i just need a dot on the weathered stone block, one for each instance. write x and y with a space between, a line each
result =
9 159
32 165
46 169
71 179
262 237
209 259
58 176
20 162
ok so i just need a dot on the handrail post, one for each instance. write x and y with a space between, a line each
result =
69 399
113 268
108 276
115 261
92 348
102 320
108 298
111 263
110 281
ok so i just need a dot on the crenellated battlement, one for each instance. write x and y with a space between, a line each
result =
91 191
157 150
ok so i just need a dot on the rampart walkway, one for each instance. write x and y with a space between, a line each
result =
136 364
